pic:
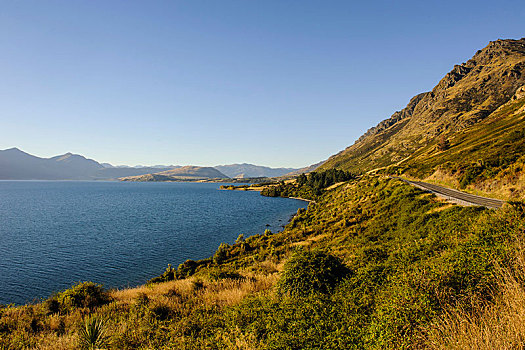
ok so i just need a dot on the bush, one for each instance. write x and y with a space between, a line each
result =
187 268
168 275
221 254
83 294
309 272
51 305
160 312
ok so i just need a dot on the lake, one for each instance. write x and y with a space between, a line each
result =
56 233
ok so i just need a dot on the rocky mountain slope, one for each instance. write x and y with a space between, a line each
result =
467 95
477 99
305 170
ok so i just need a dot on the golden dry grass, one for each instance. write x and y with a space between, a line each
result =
59 331
129 295
52 342
231 292
222 293
509 185
444 207
496 325
334 186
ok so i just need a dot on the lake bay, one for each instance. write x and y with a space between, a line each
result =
56 233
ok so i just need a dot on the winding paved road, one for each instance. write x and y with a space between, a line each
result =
458 197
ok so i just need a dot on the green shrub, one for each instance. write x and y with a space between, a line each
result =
160 312
142 300
221 254
309 272
168 275
187 268
82 294
51 305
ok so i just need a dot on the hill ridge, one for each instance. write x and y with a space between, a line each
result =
465 96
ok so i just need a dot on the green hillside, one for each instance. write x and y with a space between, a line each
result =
475 112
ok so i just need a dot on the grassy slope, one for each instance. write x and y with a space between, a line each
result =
488 158
410 256
472 108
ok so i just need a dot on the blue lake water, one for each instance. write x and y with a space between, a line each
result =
56 233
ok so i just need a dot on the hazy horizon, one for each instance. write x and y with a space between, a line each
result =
143 165
274 83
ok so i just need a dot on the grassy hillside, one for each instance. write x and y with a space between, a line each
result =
490 156
374 263
477 99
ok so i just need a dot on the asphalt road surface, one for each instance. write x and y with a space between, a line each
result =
459 197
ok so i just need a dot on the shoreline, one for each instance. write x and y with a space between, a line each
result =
301 199
259 189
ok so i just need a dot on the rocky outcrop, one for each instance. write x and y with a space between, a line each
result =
520 93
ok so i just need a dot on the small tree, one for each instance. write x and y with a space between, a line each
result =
221 254
308 272
240 239
301 179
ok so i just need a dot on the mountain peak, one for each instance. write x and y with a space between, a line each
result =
15 152
67 156
12 149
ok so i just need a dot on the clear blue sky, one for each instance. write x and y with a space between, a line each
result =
277 83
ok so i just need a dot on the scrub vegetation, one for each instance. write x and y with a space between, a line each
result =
373 263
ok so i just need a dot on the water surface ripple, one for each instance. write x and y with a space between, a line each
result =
55 233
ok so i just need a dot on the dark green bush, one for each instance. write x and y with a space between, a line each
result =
221 254
310 272
51 305
168 275
187 268
161 312
142 300
82 294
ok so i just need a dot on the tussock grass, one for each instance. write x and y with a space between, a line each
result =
498 324
223 292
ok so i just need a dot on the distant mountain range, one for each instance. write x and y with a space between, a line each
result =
249 170
18 165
